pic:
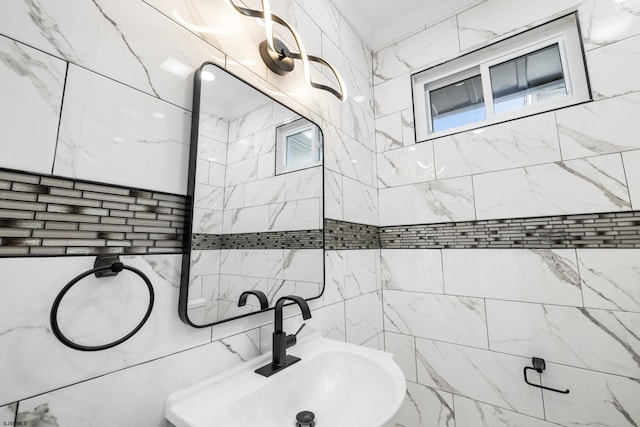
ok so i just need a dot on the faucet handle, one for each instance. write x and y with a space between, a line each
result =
292 340
299 329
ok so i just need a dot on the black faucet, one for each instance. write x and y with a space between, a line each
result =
282 341
264 303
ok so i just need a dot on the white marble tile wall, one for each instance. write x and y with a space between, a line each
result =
8 414
136 396
40 363
522 167
125 108
494 310
256 199
631 161
33 83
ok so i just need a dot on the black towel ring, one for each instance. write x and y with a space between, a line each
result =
104 266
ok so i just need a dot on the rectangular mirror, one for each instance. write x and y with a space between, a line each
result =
255 190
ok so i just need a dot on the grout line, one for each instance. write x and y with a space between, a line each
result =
64 91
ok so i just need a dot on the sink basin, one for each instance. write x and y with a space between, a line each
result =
342 384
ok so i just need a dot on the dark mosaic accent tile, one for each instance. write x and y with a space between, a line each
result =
8 251
113 220
203 242
15 232
17 223
603 230
141 194
65 234
8 213
14 195
53 225
30 188
57 216
50 250
342 235
97 188
108 197
56 182
19 177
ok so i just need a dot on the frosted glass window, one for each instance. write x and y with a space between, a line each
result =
541 69
528 80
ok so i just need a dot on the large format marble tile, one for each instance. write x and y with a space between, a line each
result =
8 414
358 85
354 48
358 122
306 265
417 51
506 17
345 155
359 202
363 317
326 15
539 275
90 314
417 270
409 165
429 202
425 407
333 194
32 87
403 348
605 22
138 393
265 263
112 133
303 184
296 215
460 320
528 141
609 278
482 375
389 132
600 340
110 40
595 184
266 191
595 399
246 220
612 68
601 127
471 413
350 273
392 96
632 170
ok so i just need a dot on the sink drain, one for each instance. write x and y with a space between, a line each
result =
305 419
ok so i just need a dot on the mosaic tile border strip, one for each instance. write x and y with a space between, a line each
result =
45 215
341 235
302 239
600 230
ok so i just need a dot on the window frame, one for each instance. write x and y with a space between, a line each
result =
290 128
563 31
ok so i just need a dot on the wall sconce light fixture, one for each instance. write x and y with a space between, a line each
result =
277 56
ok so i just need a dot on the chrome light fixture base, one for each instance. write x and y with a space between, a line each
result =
279 58
278 61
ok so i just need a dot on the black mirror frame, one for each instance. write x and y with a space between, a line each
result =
183 298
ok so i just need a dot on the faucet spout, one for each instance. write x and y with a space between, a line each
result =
304 308
282 341
264 303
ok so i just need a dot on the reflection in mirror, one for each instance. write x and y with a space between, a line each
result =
255 185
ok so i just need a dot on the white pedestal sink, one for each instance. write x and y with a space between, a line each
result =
344 385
